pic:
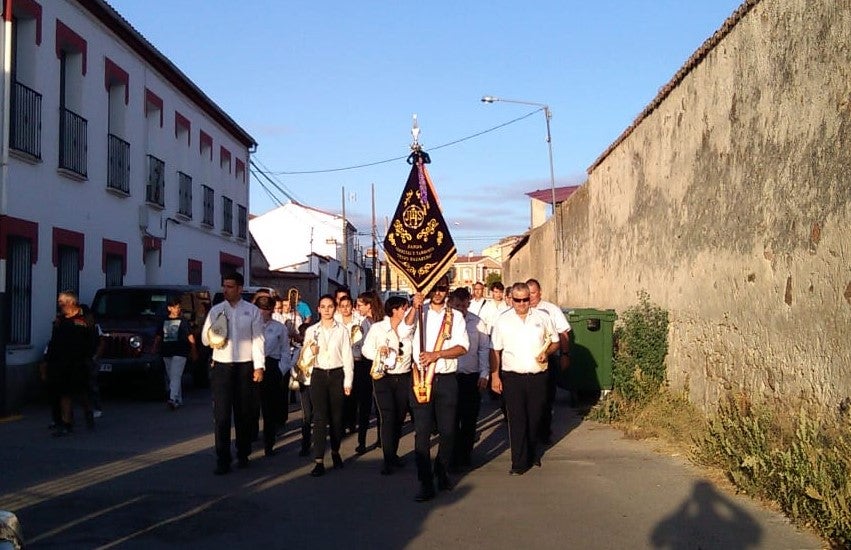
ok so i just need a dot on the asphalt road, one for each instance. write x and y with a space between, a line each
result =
143 479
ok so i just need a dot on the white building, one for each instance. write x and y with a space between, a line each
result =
310 243
117 169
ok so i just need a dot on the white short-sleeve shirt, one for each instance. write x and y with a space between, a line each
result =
521 340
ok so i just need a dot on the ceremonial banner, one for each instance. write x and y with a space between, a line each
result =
418 243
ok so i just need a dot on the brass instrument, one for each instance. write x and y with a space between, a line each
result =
217 333
356 334
384 361
544 346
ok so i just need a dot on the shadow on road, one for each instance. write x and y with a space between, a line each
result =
707 519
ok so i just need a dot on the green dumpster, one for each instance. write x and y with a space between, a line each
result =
590 350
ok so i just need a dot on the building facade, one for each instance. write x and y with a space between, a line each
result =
120 170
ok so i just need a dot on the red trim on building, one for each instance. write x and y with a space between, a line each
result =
66 237
154 100
224 155
17 227
69 41
181 121
240 169
27 8
230 259
194 266
206 139
151 243
115 248
113 74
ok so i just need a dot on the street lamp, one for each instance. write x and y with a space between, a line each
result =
547 116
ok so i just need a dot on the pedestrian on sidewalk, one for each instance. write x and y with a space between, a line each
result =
176 345
522 341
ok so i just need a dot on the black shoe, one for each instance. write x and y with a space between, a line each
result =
318 470
221 470
399 462
242 462
443 483
269 451
361 449
537 462
517 471
425 493
337 460
304 451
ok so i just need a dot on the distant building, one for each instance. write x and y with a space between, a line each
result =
542 202
469 268
304 247
121 171
499 251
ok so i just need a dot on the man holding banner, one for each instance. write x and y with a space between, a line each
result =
419 247
440 338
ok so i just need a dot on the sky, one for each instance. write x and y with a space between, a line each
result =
328 85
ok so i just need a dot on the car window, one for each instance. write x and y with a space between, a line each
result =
130 304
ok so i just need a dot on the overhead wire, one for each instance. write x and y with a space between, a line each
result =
394 159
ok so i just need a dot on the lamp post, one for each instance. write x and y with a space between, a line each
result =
556 218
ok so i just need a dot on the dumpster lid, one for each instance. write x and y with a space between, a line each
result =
582 314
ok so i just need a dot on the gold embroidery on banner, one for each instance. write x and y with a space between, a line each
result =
424 270
400 232
413 216
429 230
439 238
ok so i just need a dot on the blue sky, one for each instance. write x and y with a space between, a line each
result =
325 85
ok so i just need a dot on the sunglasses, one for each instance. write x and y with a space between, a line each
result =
520 300
441 288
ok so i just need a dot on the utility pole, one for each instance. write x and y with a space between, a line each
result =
345 243
375 279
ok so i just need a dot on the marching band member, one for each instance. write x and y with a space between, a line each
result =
370 311
273 402
388 346
435 390
331 379
522 341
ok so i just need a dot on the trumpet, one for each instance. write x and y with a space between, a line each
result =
384 361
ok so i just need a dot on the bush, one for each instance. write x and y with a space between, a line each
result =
641 344
800 459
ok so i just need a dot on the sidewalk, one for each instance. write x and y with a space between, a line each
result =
144 479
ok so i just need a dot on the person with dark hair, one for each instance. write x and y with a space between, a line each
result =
176 342
388 347
472 378
73 342
234 329
495 306
273 391
445 337
330 380
351 320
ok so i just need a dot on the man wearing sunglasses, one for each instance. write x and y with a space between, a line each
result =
521 342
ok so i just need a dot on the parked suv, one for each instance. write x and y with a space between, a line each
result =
129 318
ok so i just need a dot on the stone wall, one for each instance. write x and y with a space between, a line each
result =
729 201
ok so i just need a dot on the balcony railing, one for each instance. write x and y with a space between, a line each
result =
25 122
118 164
155 191
73 146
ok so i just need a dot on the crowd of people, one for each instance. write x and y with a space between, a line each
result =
432 358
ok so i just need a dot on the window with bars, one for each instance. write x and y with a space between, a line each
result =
19 289
68 269
114 270
155 189
209 206
242 222
227 215
185 192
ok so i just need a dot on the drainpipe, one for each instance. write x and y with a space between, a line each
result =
6 66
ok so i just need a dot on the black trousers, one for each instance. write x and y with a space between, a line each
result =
306 415
234 393
363 397
441 409
546 430
466 417
271 401
392 396
326 394
525 400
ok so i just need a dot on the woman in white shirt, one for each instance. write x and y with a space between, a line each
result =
330 380
390 341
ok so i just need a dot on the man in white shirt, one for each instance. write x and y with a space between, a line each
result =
522 341
446 339
273 390
238 365
472 376
494 306
478 301
558 362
